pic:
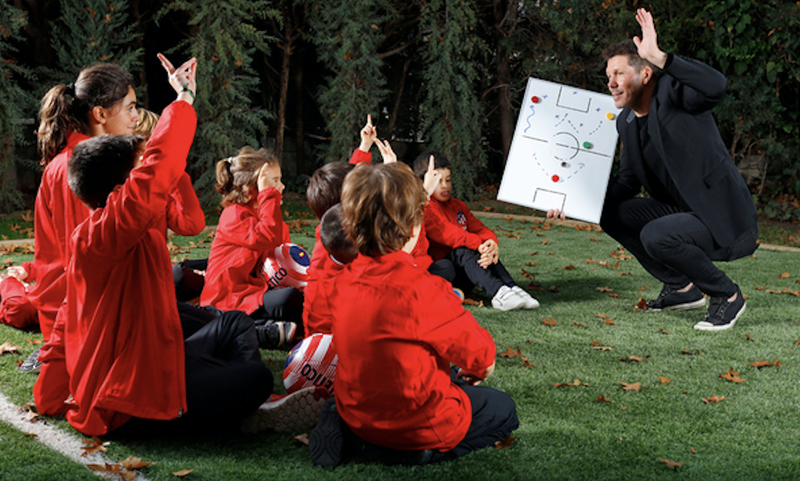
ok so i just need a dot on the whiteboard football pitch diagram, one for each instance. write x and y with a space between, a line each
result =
562 151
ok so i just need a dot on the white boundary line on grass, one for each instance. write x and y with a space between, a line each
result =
60 441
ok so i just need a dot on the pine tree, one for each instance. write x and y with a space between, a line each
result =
15 102
347 35
451 107
92 31
224 41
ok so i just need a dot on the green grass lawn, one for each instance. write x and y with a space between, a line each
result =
565 432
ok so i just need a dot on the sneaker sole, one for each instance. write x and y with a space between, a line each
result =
31 364
707 326
291 414
327 440
682 307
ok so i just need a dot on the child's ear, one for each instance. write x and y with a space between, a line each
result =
98 114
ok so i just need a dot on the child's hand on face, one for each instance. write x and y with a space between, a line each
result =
386 151
431 179
490 253
368 135
270 176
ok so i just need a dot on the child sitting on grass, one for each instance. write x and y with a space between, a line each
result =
250 227
397 328
464 251
117 351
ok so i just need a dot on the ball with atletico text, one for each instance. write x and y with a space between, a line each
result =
312 362
287 267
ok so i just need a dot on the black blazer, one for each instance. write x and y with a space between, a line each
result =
687 140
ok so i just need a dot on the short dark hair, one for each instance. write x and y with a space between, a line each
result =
440 161
99 164
630 50
334 238
325 186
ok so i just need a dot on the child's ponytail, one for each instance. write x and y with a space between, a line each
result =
224 177
56 120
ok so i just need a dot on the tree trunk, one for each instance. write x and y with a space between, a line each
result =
398 96
286 65
298 106
501 15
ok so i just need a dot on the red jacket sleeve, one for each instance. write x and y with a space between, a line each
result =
144 195
475 226
360 157
265 232
184 214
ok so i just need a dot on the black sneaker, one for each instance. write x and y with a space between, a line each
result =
326 444
32 363
672 300
274 334
722 314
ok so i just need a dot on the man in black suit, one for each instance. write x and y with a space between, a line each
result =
699 209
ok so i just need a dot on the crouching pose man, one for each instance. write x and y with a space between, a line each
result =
397 328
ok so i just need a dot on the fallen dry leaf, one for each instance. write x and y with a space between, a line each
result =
576 382
671 464
549 322
182 473
664 380
785 275
691 450
641 304
569 267
8 348
603 289
303 438
732 376
692 353
511 353
132 462
614 295
747 335
663 331
628 273
577 324
761 288
553 289
595 343
610 322
472 302
634 386
713 399
601 315
34 342
93 445
632 359
762 363
604 399
604 348
507 442
30 435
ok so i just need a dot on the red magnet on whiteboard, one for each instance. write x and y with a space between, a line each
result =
556 178
535 99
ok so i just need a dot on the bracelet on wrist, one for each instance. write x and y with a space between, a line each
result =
186 89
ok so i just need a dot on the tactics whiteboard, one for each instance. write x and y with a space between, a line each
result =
562 151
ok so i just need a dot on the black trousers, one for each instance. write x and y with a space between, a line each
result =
225 378
460 267
188 284
674 246
281 304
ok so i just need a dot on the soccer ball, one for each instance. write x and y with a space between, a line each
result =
312 362
287 267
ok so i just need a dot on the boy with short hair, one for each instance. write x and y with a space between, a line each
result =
464 251
397 329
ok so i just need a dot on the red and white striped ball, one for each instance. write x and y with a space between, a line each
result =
287 267
312 362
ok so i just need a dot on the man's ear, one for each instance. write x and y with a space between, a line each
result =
646 75
98 115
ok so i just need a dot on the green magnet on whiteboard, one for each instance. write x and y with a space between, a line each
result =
587 145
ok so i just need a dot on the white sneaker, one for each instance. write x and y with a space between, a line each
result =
530 301
507 300
287 413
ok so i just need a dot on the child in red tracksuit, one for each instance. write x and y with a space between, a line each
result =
464 251
101 101
117 350
250 227
397 328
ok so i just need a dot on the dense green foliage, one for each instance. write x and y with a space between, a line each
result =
435 74
13 101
